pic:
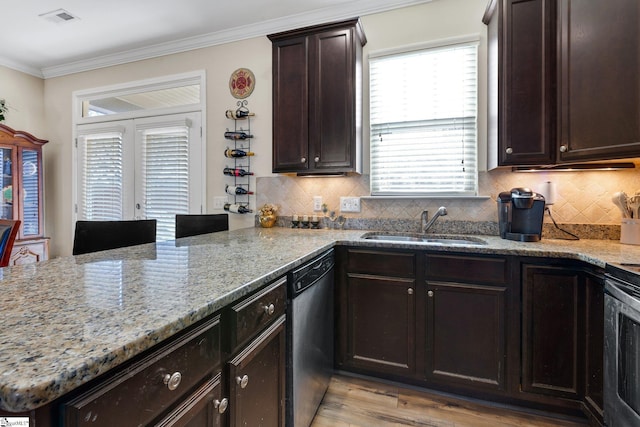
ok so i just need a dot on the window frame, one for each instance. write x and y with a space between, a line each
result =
473 39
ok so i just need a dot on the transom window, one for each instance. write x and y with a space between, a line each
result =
423 110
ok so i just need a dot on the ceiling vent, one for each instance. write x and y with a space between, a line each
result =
59 16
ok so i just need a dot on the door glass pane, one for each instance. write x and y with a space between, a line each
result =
629 362
31 203
165 176
7 183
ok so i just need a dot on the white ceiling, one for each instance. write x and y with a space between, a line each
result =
117 31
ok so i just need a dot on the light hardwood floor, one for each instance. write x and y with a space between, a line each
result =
354 402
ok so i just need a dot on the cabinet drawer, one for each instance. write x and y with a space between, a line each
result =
467 269
384 263
247 318
138 394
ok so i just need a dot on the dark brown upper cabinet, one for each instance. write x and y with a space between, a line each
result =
564 85
317 99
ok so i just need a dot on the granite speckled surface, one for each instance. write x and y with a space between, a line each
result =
68 320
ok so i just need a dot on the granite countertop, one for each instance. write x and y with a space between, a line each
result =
70 319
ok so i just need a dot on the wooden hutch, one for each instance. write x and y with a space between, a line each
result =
21 193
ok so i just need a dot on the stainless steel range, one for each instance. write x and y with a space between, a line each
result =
622 345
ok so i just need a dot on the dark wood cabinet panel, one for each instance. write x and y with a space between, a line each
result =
527 101
317 98
381 321
466 268
200 409
147 389
551 331
594 346
467 334
599 87
382 262
256 378
290 105
564 82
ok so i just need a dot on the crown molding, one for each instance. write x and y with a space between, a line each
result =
5 62
350 10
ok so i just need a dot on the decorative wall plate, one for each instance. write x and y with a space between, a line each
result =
242 83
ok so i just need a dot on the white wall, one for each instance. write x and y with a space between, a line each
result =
24 97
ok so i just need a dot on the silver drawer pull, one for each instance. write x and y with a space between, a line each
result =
221 405
410 291
269 309
172 381
430 294
242 381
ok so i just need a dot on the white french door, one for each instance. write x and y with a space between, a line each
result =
147 168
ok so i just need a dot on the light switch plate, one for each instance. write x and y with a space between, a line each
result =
349 204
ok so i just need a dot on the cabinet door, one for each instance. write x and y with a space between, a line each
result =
257 381
290 105
381 321
526 88
202 409
599 87
551 331
466 334
331 111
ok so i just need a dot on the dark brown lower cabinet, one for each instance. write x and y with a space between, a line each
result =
562 334
376 297
523 331
468 328
466 334
256 378
551 330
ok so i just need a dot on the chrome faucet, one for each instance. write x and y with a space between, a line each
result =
426 225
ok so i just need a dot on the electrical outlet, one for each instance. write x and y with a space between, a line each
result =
317 203
218 202
349 204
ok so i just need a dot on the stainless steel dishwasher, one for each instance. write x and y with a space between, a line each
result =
309 338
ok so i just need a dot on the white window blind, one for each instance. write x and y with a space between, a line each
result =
165 176
100 158
423 107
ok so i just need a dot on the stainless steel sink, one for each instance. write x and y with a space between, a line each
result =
433 239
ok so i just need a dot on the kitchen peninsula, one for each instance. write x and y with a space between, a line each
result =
70 320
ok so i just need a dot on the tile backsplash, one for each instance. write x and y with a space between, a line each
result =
582 197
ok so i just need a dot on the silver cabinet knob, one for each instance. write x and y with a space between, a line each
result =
303 160
564 148
430 294
242 382
317 159
509 150
410 291
269 309
221 405
172 380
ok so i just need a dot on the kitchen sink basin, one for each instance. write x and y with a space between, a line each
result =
433 239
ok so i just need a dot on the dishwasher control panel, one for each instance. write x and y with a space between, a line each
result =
306 275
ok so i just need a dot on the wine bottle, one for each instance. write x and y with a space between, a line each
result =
235 190
236 208
238 114
236 152
235 135
236 172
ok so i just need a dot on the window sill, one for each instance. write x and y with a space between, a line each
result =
444 196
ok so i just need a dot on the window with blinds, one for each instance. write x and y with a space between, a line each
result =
423 109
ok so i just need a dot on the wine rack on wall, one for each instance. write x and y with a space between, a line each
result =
238 151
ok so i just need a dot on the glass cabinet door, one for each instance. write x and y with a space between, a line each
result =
7 182
31 209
